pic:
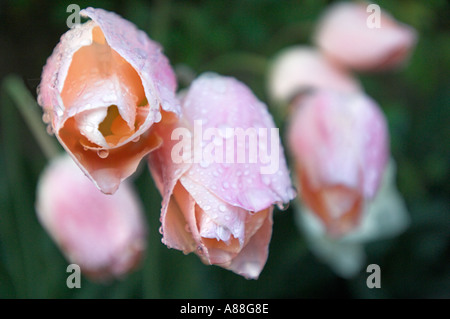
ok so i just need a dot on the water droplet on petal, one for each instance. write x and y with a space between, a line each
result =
46 118
50 130
102 153
157 117
187 228
282 206
200 250
222 208
204 164
292 192
136 139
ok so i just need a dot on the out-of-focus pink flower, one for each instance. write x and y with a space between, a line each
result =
350 34
221 208
102 90
339 143
301 68
104 234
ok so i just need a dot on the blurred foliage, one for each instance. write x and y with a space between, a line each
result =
238 38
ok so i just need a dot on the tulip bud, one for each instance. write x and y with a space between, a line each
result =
299 68
102 90
347 34
104 234
220 171
339 144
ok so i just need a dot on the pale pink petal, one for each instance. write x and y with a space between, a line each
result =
104 234
340 149
340 139
224 104
297 69
346 33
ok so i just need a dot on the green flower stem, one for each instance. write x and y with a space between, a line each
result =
13 85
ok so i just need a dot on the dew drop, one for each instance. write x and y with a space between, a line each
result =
282 206
89 128
225 185
292 192
161 230
102 153
222 208
157 117
204 164
136 139
200 250
187 228
46 118
50 130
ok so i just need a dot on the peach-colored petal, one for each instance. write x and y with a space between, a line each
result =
103 88
103 234
297 69
340 147
346 34
252 258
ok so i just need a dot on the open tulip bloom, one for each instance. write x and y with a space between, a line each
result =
102 90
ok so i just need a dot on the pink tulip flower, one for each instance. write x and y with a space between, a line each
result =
102 90
104 234
364 37
339 144
221 206
300 68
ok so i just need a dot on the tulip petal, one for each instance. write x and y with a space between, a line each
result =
252 258
345 35
218 102
340 139
225 220
143 54
299 68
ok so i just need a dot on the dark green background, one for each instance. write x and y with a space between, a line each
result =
238 37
